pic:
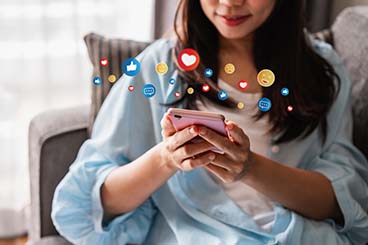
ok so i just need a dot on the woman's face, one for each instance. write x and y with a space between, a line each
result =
236 19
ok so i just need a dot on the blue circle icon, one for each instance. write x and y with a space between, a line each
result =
285 91
131 67
208 72
149 90
97 81
172 81
264 104
222 95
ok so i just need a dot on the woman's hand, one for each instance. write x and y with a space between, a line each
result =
234 163
178 153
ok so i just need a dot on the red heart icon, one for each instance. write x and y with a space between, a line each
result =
131 88
177 94
205 88
188 59
104 62
242 84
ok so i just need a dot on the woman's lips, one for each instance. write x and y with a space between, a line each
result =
234 20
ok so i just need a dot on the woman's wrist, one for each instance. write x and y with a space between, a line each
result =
251 168
162 161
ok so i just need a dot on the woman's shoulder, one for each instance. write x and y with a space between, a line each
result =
160 49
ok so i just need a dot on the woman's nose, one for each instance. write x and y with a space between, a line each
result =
231 3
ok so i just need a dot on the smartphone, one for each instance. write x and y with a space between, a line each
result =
182 118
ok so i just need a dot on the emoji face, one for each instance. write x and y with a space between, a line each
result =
111 78
190 90
229 68
266 78
188 59
240 105
161 68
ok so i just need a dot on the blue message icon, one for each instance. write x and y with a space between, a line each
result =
222 95
131 67
284 91
264 104
97 81
148 90
208 72
172 81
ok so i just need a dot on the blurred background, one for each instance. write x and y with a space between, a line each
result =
44 65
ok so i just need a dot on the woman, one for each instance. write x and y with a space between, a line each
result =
287 176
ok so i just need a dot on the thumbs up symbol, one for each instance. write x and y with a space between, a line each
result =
131 66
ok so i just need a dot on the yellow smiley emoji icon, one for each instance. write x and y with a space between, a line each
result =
161 68
266 78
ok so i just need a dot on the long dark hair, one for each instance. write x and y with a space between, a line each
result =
281 45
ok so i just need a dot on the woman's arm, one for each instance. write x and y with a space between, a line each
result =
128 186
306 192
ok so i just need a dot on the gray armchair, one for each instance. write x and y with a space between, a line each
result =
56 136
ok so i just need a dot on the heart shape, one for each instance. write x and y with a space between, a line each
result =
188 60
243 84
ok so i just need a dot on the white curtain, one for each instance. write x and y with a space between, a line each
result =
44 65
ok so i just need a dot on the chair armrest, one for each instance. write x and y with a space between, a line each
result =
54 140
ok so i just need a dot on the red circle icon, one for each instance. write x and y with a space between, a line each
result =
205 88
131 88
242 84
104 62
188 59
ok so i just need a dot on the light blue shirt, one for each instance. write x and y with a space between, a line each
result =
191 208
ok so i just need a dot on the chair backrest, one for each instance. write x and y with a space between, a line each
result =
115 51
350 35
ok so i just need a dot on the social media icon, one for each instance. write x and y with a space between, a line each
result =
229 68
290 108
97 81
222 95
206 88
240 105
177 94
208 72
149 90
161 68
285 91
172 81
131 88
104 61
188 59
264 104
131 67
242 84
266 78
190 90
111 78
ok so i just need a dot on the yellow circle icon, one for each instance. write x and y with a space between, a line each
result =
240 105
111 78
229 68
190 90
266 78
161 68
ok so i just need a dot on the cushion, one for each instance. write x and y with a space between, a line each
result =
115 51
350 34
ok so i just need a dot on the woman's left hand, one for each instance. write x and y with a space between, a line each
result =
234 163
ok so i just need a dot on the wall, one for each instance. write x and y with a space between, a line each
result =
339 5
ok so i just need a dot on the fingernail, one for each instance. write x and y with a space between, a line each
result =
202 131
211 157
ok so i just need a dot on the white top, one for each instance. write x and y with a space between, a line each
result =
255 204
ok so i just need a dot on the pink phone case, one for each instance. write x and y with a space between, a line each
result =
182 118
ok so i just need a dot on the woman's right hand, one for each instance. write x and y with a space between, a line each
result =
178 153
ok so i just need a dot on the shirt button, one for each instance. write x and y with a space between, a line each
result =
273 241
275 149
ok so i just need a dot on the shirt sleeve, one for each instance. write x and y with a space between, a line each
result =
126 127
343 164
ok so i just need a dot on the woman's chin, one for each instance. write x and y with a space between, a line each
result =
234 35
